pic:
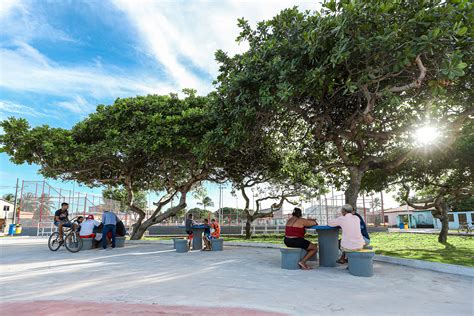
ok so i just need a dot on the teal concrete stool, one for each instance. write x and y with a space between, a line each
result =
119 242
174 241
87 243
361 262
290 258
181 245
217 244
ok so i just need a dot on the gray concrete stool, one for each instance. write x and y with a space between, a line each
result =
87 243
181 245
290 258
119 242
174 241
217 244
361 262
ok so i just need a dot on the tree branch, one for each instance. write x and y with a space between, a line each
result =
415 84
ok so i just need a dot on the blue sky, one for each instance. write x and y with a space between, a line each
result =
60 59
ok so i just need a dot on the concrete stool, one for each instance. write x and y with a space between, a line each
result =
290 258
87 243
174 241
181 245
119 242
217 244
360 262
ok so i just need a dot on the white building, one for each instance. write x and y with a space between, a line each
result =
456 218
6 215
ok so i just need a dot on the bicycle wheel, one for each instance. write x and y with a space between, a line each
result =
53 242
73 242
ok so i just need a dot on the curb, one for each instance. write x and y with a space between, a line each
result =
428 265
412 263
149 242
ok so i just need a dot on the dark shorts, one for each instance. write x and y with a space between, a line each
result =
65 224
297 243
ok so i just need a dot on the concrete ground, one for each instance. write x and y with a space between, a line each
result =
154 279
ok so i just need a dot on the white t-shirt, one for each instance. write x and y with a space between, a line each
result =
87 227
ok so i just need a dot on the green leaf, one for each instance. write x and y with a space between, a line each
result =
461 31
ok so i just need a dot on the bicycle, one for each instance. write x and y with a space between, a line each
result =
465 228
71 240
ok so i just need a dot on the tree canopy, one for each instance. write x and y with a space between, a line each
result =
149 142
359 74
335 94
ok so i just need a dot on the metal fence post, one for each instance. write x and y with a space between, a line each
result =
363 205
327 212
42 204
85 203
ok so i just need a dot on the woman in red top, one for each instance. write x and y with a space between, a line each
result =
294 236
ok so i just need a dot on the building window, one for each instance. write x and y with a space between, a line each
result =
385 218
6 208
451 217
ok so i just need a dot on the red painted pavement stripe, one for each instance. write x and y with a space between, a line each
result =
84 308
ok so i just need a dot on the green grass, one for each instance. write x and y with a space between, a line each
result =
459 250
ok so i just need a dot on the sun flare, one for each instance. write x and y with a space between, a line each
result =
426 135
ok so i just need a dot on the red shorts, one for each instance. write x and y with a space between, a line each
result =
88 236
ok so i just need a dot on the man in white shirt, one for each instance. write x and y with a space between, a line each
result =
87 227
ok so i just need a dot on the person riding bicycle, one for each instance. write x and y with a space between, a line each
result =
61 219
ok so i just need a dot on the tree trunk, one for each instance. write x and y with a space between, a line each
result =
138 232
443 234
157 217
441 212
248 226
352 191
443 208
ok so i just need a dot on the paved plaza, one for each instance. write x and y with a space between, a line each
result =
152 278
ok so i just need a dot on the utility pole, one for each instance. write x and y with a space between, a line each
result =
381 204
73 191
220 204
237 209
14 201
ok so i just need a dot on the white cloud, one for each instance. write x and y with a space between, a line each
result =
22 21
7 6
25 69
77 105
8 107
176 31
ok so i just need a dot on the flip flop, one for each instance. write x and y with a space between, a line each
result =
303 266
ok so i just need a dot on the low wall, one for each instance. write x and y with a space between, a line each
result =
378 229
158 230
174 230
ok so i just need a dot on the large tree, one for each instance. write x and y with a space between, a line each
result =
150 143
360 74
